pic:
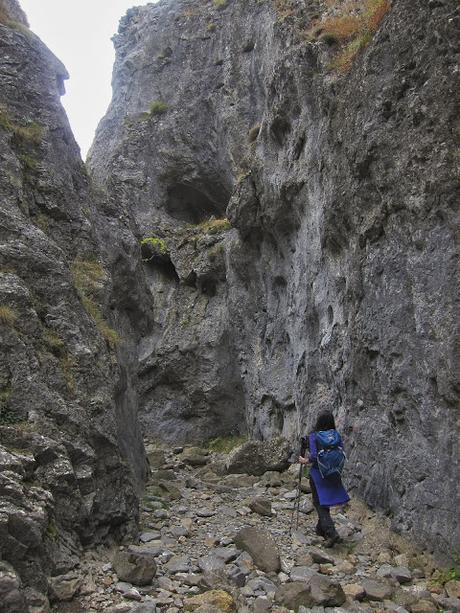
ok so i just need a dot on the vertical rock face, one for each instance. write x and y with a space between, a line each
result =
337 286
71 455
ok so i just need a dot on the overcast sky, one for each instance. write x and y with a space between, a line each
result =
78 32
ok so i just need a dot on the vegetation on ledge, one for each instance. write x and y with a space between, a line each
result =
225 444
353 26
32 132
158 107
214 225
88 277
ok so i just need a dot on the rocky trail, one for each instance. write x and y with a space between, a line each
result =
213 542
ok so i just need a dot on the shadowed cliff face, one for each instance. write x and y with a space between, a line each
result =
71 454
336 287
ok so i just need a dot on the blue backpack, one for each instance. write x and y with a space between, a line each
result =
330 454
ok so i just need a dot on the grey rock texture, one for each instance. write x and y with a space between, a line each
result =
338 285
71 454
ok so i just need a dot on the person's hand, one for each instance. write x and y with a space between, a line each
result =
303 460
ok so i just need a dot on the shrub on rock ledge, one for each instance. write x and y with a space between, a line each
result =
153 247
158 107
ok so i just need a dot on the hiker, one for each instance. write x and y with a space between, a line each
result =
326 491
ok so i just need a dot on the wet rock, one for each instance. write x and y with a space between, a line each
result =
261 547
256 457
136 567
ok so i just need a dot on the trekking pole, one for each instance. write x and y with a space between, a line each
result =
296 505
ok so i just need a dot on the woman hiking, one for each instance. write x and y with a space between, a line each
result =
326 491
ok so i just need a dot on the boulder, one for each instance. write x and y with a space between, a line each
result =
156 456
452 588
146 607
315 591
325 592
301 573
376 590
261 547
258 457
11 599
294 595
195 456
179 564
136 567
262 506
36 602
424 606
354 591
64 587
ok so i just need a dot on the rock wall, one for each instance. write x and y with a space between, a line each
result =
337 285
71 455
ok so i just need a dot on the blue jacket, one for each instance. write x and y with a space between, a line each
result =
330 491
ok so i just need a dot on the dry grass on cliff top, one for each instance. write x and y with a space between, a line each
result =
350 23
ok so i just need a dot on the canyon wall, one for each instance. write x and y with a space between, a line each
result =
336 285
71 454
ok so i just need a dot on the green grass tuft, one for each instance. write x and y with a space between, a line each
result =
158 107
225 444
157 245
89 277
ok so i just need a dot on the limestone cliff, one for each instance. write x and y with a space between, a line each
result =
71 455
337 285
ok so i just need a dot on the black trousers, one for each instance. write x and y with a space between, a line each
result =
325 526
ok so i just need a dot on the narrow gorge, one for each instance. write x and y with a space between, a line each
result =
266 227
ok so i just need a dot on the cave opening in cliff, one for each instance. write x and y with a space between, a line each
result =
192 205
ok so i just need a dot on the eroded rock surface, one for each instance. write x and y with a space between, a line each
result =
71 455
336 286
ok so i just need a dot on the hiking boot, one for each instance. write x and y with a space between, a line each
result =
333 540
320 532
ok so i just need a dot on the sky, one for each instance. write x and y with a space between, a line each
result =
78 32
